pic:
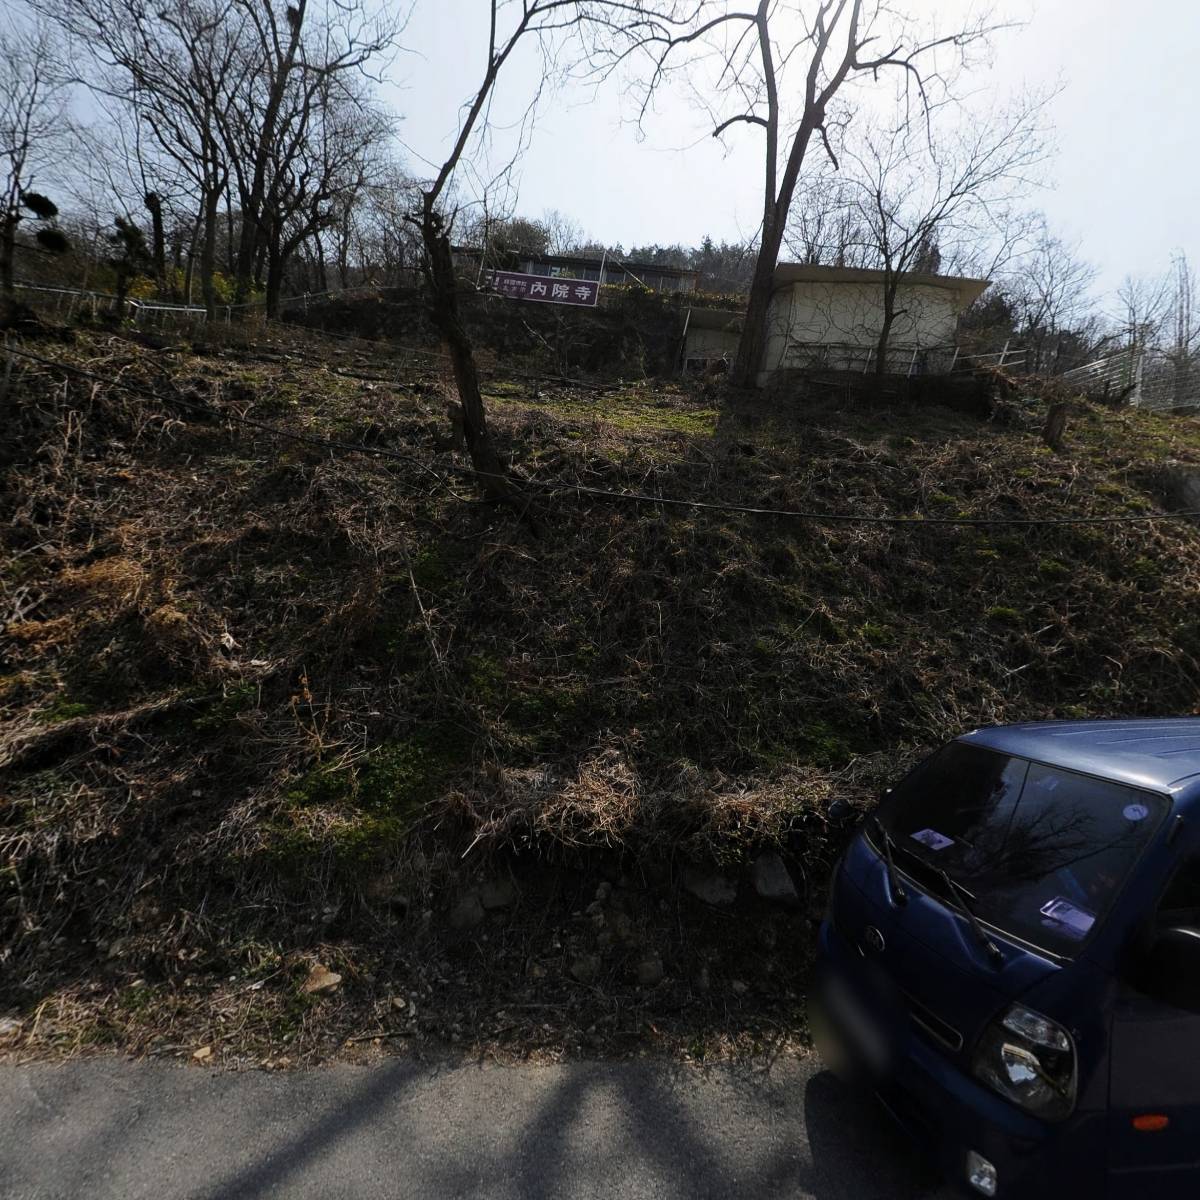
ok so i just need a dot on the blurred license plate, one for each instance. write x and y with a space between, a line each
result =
848 1015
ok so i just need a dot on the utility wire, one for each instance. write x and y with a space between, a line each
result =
549 485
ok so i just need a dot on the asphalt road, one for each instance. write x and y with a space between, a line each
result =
620 1131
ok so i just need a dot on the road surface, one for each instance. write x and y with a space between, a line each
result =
618 1131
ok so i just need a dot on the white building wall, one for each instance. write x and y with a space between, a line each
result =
712 343
836 324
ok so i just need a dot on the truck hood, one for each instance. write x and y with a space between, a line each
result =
949 985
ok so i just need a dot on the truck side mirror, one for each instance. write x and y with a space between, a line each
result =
841 814
1173 967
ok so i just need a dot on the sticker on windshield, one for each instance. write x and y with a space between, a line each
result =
1136 812
932 839
1069 918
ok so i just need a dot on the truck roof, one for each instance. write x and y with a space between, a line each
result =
1161 754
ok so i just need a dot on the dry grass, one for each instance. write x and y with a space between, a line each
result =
261 705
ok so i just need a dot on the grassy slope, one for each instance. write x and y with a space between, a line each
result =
259 699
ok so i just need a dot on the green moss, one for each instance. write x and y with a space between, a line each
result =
1051 568
322 787
827 746
486 678
236 700
877 634
394 778
1001 614
1144 571
401 776
376 803
62 709
431 568
817 742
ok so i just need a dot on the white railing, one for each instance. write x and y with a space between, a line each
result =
73 300
1010 357
901 360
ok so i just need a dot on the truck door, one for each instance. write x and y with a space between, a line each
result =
1154 1105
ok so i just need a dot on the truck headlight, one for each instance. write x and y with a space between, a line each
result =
1029 1060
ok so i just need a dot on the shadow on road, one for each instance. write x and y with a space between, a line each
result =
628 1130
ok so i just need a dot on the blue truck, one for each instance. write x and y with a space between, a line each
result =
1011 959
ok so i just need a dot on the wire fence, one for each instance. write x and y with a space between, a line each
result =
1151 378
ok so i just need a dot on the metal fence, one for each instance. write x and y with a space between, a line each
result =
1142 378
1170 381
69 302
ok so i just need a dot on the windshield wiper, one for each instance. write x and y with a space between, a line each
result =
965 899
899 895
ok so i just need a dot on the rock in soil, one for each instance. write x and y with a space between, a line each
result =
320 979
585 968
650 971
772 881
468 912
498 893
712 889
9 1027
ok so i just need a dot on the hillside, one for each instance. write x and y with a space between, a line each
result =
271 706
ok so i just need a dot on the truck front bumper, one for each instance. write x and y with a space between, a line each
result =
871 1043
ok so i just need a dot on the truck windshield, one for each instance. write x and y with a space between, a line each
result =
1041 851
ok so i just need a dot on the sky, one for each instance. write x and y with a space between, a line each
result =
1124 180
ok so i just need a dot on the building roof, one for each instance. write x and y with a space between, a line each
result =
716 318
587 260
593 260
788 273
1159 754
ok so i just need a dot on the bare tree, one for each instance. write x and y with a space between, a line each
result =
922 199
321 161
176 67
824 227
33 86
752 57
564 235
1050 286
1143 304
511 23
293 56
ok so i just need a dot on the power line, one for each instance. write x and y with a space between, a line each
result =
547 485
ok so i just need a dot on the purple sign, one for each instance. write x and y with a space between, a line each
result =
518 286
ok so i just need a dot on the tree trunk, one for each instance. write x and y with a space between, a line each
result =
208 254
8 246
322 280
252 202
443 311
885 330
275 264
158 241
752 345
260 262
189 274
881 346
